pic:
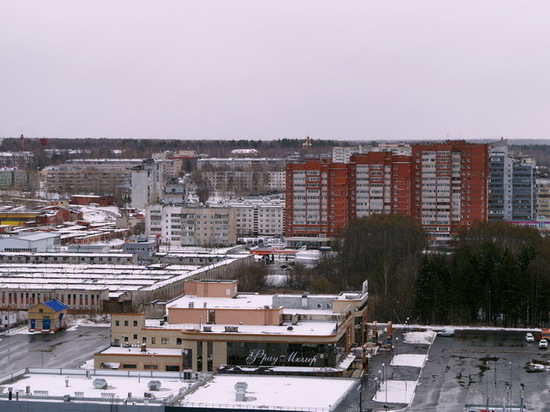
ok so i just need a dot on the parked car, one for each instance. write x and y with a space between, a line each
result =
529 337
446 332
543 344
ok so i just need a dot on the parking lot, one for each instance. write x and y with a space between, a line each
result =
468 371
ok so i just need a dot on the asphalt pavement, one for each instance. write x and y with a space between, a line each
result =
466 372
63 349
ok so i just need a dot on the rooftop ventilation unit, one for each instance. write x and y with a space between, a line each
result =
154 385
231 328
207 328
100 383
241 388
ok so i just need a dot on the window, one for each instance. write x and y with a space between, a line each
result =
135 337
153 340
129 366
135 322
150 366
117 323
125 323
164 341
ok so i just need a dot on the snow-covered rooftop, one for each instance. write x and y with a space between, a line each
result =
302 328
52 385
241 301
263 392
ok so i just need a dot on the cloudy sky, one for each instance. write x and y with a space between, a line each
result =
262 69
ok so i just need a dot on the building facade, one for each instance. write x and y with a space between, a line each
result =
512 187
443 186
449 188
192 225
213 326
319 200
99 176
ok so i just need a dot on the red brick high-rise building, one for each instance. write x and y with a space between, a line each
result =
442 185
319 200
450 186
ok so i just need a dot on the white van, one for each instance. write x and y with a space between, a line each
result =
446 332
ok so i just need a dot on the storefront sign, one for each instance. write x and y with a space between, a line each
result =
260 357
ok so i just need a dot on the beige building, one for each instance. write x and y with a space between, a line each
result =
213 327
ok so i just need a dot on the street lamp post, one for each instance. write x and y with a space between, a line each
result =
385 385
397 345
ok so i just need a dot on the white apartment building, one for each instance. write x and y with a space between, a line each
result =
192 225
147 182
260 218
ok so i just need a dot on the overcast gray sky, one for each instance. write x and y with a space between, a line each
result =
261 69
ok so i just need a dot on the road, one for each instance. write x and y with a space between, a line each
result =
64 349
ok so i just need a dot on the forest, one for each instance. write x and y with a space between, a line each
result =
49 151
495 274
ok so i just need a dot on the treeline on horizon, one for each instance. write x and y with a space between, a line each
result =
494 274
143 148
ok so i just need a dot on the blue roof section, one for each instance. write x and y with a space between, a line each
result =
55 305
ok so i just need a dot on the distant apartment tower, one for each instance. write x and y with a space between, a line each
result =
382 183
511 185
147 182
319 201
449 189
543 199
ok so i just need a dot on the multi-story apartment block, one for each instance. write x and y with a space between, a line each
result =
342 154
382 184
259 218
177 163
147 182
19 160
99 176
320 199
183 225
11 177
511 185
244 175
442 186
543 198
449 188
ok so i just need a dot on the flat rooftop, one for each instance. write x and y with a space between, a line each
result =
93 277
46 385
271 392
302 328
241 301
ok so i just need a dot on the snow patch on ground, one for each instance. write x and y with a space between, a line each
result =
396 392
416 361
426 337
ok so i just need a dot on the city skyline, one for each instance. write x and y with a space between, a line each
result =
268 70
